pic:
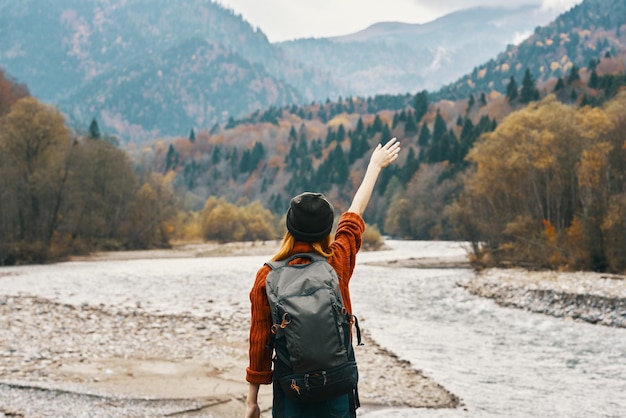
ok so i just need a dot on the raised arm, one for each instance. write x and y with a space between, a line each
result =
382 156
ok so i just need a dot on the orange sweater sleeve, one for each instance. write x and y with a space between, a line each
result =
259 370
345 247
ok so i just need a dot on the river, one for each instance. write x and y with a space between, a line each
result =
501 362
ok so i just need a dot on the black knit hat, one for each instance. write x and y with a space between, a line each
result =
310 217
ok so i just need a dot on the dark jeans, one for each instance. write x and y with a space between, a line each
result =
338 407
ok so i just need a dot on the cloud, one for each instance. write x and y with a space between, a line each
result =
284 20
448 6
559 5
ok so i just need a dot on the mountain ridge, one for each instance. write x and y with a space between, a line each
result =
96 47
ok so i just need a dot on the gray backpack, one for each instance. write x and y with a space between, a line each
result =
314 358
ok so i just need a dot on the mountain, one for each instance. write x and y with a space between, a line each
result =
149 67
395 58
154 68
576 40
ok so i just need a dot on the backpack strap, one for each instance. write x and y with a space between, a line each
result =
358 330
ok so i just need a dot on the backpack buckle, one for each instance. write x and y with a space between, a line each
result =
286 320
283 324
294 386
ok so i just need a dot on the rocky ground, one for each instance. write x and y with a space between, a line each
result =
64 360
593 297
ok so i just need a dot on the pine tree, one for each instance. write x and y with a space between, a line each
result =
440 127
528 92
341 134
593 80
330 135
560 85
293 136
94 129
342 171
170 159
359 126
470 103
574 76
377 126
245 164
216 155
385 134
410 166
410 127
511 90
257 155
192 136
421 105
424 137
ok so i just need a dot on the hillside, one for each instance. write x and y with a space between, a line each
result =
590 31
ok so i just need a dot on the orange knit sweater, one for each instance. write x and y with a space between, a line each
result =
345 247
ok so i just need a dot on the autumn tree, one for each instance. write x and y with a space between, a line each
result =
101 196
546 182
152 213
417 212
35 146
10 92
223 221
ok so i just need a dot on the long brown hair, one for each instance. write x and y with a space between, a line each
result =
321 247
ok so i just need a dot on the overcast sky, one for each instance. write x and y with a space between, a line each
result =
283 20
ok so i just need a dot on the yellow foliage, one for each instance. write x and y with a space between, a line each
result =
222 221
575 232
554 65
342 119
372 240
593 164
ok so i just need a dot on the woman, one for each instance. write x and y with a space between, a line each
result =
309 223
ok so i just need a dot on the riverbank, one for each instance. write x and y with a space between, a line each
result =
591 297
